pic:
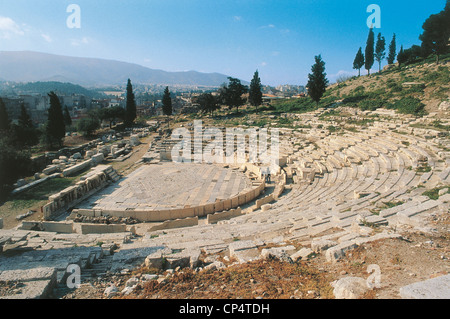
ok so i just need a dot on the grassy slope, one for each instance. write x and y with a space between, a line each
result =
386 88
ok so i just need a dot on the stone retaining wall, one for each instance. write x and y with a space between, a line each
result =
102 228
69 197
171 214
214 218
178 223
56 227
265 200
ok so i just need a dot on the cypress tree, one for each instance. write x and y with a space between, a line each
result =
392 51
380 50
401 57
55 129
167 102
317 82
130 111
359 61
67 118
255 93
25 132
4 119
370 51
24 118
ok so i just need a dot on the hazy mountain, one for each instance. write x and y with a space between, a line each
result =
27 66
56 86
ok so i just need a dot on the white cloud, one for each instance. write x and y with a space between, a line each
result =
237 18
263 63
342 74
46 37
82 41
9 28
269 26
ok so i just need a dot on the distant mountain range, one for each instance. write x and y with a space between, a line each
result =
28 66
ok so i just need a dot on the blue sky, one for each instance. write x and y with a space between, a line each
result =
279 38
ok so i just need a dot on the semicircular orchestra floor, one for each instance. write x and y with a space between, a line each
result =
170 185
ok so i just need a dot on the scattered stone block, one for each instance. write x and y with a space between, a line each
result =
111 291
243 245
337 252
77 156
317 245
302 254
77 168
134 140
50 169
155 260
36 283
280 253
350 288
98 158
21 182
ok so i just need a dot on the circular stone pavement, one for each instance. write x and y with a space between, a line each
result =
170 186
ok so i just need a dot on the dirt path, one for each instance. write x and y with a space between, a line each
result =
24 203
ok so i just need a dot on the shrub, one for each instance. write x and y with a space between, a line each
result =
409 105
371 105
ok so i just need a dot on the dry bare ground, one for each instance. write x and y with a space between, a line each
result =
413 258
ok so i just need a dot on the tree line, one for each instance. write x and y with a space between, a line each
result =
435 41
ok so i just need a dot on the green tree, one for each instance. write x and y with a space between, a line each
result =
67 118
401 57
413 53
4 118
88 125
208 103
255 92
359 61
111 114
167 102
317 81
392 50
380 50
436 33
232 95
14 164
369 55
55 129
25 134
130 110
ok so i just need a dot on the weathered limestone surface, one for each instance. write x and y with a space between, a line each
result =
72 195
350 288
435 288
325 198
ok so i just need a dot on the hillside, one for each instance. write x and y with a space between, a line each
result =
416 89
45 87
27 66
